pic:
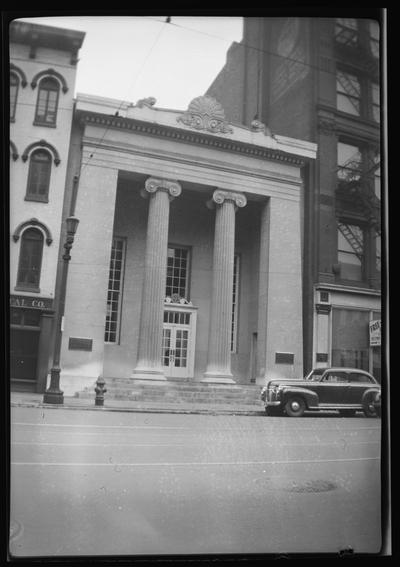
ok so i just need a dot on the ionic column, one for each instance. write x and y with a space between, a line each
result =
219 341
149 366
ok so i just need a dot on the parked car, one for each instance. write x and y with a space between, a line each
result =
344 389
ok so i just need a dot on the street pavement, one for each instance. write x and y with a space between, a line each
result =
127 483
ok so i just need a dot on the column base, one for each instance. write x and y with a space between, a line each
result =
146 375
217 378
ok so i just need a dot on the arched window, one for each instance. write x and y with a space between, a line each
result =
47 102
30 259
14 86
39 176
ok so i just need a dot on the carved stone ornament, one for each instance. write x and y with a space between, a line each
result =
176 298
206 113
238 199
149 102
152 185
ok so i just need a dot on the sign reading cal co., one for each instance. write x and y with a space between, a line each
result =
30 302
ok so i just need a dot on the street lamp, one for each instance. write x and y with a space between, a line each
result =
53 395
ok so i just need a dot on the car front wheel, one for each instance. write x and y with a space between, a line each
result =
295 406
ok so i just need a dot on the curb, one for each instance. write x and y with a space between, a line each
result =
202 411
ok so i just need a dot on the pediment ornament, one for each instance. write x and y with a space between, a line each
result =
206 113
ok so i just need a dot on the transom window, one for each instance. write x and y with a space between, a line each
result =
346 31
348 93
39 176
351 251
114 294
30 259
47 101
14 86
177 272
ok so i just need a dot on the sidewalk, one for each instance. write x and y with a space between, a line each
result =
32 400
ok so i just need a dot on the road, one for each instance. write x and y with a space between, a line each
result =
114 483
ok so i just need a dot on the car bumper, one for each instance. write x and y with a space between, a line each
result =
272 404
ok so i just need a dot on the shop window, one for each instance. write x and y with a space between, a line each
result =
30 260
350 341
348 93
177 272
351 251
114 294
14 87
47 102
346 31
39 176
235 303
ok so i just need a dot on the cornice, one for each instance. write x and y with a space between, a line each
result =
189 137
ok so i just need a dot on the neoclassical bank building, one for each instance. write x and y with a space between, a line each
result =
187 261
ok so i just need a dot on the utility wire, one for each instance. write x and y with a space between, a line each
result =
130 88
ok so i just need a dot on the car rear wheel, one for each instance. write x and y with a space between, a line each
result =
369 408
295 406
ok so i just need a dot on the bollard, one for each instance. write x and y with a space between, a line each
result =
100 390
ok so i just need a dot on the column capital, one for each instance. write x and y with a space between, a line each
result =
153 184
219 196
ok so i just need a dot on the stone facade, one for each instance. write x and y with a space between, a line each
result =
229 197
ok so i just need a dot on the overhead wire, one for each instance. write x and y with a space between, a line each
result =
130 88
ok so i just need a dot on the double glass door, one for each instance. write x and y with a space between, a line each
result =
178 342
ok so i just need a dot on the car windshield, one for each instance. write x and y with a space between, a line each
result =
315 374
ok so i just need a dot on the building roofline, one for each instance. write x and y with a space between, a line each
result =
45 36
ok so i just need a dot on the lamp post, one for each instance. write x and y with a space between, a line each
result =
53 395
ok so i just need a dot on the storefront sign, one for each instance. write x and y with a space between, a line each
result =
30 302
375 333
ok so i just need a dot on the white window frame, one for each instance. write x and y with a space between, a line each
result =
119 292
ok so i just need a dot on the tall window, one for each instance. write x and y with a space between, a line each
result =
14 86
374 38
348 93
235 303
351 251
177 272
375 102
47 101
114 294
346 31
39 176
350 338
30 259
349 160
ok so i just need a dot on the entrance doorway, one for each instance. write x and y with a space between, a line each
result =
24 348
178 342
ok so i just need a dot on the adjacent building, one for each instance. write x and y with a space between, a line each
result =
42 81
318 79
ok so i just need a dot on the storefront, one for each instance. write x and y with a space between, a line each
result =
30 342
348 328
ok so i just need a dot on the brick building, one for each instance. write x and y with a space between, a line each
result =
42 79
318 79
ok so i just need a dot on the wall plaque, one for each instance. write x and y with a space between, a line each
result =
321 357
284 358
75 343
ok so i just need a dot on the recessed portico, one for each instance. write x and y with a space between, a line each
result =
174 238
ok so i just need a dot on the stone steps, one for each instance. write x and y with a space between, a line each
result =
178 392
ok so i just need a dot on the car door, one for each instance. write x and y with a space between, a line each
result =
332 388
358 383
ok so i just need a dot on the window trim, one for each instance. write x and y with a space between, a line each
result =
15 99
234 335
